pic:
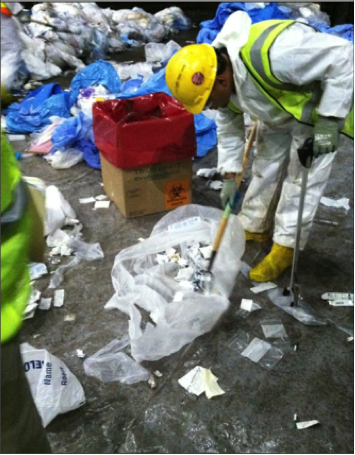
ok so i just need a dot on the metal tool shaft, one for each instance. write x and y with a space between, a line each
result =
299 229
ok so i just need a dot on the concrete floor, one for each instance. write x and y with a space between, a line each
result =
255 415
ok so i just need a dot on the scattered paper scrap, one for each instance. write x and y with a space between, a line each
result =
339 203
201 380
58 298
102 204
101 197
263 287
341 303
206 251
87 200
337 296
69 317
16 137
246 304
216 185
30 310
101 184
152 383
45 303
179 295
310 423
158 374
80 353
207 173
141 239
350 339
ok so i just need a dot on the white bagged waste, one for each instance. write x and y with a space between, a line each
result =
54 387
59 213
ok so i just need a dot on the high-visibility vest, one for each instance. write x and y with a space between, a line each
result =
15 238
297 101
5 9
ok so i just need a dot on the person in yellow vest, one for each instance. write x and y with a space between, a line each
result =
298 83
21 425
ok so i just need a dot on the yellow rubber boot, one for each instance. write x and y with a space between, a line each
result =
271 267
256 237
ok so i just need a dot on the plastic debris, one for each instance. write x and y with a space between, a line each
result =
263 287
339 203
87 200
69 317
80 353
101 197
58 298
201 380
16 137
334 223
37 270
310 423
216 185
59 213
54 387
247 306
207 173
102 205
45 303
152 382
273 328
109 364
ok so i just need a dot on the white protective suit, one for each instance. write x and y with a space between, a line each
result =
11 47
299 55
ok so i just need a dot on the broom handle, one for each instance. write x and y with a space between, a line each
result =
227 210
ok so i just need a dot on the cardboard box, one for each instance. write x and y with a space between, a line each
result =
148 189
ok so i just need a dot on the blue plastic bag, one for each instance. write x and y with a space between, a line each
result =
33 112
99 72
77 132
210 29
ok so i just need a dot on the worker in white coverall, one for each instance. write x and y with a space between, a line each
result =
298 83
11 45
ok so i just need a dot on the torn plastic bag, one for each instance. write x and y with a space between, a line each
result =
143 130
109 364
140 282
64 159
77 132
55 389
99 72
34 112
73 244
59 213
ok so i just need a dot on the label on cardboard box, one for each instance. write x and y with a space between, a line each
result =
177 193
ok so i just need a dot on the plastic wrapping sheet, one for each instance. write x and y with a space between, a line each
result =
140 282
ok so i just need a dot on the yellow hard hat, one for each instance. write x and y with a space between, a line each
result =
190 75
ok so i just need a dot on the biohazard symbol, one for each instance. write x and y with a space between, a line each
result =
176 191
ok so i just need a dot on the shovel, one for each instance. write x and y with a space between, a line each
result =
305 155
206 275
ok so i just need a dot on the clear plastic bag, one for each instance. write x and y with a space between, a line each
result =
273 328
59 212
64 159
109 364
139 281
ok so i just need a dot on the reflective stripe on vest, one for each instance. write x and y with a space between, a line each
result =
5 9
19 206
300 104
